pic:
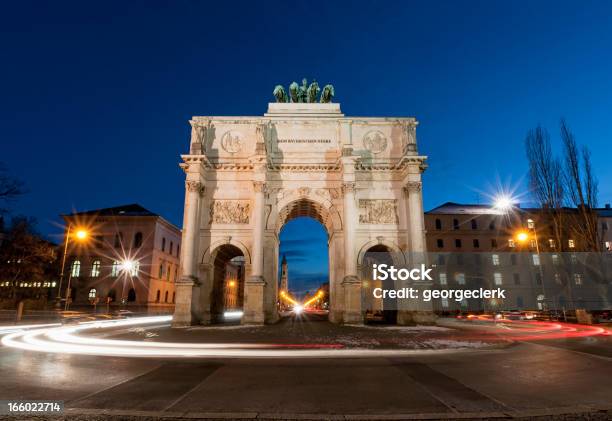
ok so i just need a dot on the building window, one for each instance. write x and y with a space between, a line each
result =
455 224
493 243
168 271
171 247
558 278
175 273
118 239
604 226
92 294
131 295
137 239
519 302
458 243
173 297
555 259
161 270
164 244
492 225
532 243
474 224
517 279
75 269
440 243
135 269
513 259
95 269
497 278
115 268
438 224
495 259
460 278
443 280
511 243
551 243
538 277
459 259
573 258
441 259
571 244
536 260
157 296
444 302
178 250
166 297
578 278
476 243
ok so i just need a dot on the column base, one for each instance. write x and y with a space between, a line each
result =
413 317
254 301
352 301
185 311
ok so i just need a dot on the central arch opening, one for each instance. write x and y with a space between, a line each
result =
303 258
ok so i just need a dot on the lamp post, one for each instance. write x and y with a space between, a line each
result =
523 237
81 235
129 268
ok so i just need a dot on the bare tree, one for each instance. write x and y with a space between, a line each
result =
545 177
582 186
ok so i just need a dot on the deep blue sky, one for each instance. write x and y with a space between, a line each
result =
95 97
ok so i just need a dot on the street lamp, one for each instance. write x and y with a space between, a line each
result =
503 203
522 237
81 234
128 267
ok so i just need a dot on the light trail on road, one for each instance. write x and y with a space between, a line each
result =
72 339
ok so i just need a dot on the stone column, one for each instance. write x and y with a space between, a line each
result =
254 286
416 217
351 282
187 287
416 311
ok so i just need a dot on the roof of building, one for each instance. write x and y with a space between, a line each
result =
468 209
133 209
452 208
604 212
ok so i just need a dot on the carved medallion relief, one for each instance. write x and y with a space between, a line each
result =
231 142
375 141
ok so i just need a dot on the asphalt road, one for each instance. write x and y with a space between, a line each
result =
522 379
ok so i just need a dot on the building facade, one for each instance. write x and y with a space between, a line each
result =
127 256
519 250
360 177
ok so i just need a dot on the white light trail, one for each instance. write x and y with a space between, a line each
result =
66 340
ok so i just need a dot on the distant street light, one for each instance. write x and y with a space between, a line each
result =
522 236
503 203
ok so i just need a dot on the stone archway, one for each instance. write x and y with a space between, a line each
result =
247 176
305 205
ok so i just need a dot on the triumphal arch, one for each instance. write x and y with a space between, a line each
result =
246 176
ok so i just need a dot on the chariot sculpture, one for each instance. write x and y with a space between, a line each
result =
304 93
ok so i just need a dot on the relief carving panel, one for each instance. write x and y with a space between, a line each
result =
378 211
230 212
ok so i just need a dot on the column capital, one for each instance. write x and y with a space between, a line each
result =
195 187
259 186
413 187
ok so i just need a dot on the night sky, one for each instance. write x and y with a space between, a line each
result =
96 96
